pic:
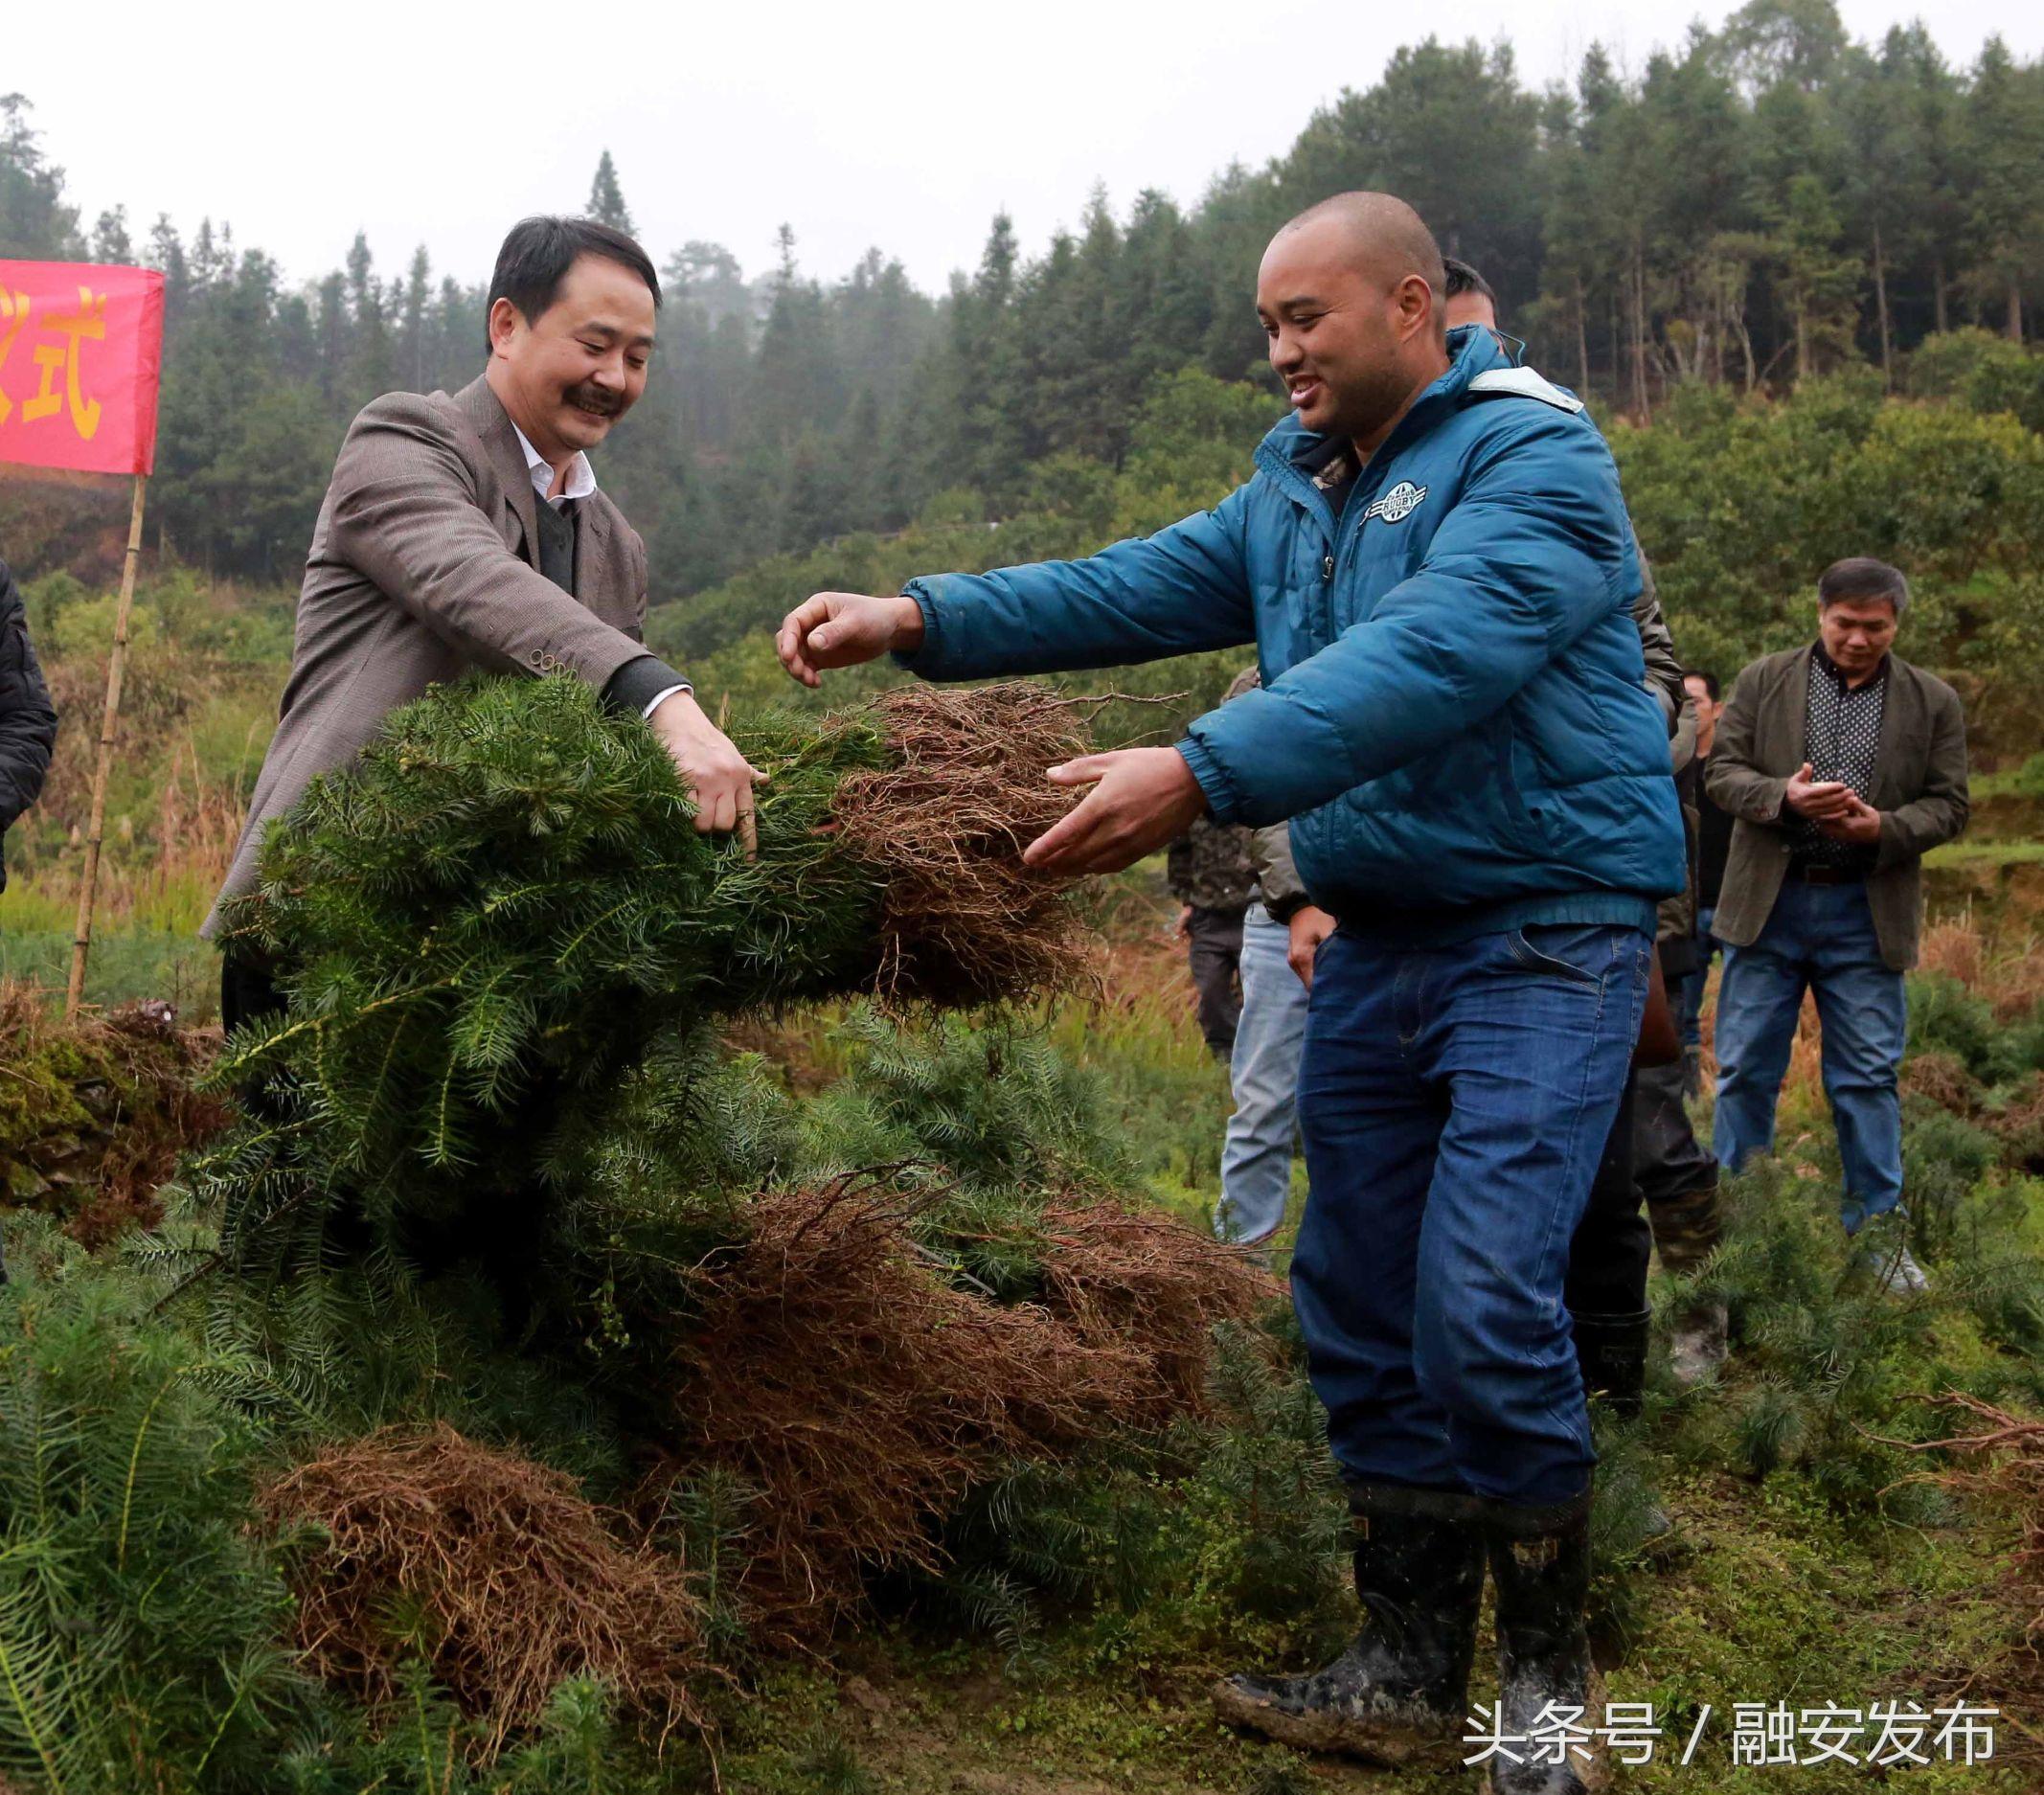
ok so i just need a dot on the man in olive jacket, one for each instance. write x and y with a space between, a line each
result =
1843 766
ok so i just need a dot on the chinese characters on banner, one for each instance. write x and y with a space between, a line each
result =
80 353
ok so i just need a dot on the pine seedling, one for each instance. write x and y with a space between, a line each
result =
497 915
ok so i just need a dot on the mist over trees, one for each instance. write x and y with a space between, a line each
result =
1759 204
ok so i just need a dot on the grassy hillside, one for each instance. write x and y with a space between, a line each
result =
1060 1638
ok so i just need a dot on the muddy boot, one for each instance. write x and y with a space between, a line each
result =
1686 1232
1697 1343
1611 1351
1884 1259
1400 1695
1540 1562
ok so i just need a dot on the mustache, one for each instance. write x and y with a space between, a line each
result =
591 398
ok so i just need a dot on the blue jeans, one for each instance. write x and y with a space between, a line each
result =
1819 939
1454 1103
1256 1165
1689 1000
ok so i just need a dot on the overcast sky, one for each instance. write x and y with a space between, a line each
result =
904 123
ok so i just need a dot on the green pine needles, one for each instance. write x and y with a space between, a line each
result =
509 886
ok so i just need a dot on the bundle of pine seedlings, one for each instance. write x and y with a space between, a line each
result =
485 923
507 952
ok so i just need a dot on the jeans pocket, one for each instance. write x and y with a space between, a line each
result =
1555 947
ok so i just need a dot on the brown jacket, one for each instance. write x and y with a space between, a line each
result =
424 565
1919 789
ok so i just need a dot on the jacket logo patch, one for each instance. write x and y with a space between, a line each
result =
1398 503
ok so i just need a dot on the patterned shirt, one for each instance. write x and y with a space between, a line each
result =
1842 734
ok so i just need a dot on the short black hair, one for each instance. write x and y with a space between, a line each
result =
1710 687
539 251
1862 576
1464 279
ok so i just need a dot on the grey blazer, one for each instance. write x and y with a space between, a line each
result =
1919 789
425 564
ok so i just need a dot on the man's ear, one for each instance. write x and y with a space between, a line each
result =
1416 305
505 320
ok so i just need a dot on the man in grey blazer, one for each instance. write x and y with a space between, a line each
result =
1842 766
467 530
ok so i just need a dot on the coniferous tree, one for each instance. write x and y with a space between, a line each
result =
35 223
110 240
2006 135
167 252
413 330
372 363
606 199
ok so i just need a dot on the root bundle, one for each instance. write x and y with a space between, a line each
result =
510 1580
838 1373
943 827
1140 1278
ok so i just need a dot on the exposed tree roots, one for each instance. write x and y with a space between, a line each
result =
491 1568
838 1374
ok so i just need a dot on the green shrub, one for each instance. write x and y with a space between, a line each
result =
1945 1017
1943 1157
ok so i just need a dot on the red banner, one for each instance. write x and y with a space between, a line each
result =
80 355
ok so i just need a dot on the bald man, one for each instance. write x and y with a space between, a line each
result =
1433 560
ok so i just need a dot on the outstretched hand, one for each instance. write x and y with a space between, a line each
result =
1141 798
842 629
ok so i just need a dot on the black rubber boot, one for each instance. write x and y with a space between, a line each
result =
1400 1695
1612 1351
1540 1561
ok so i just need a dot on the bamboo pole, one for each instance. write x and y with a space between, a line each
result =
89 879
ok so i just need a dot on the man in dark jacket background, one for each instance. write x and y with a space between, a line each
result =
28 719
28 723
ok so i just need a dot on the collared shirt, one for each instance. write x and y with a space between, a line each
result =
580 483
1842 735
582 477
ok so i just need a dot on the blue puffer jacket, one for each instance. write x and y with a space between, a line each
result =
1451 711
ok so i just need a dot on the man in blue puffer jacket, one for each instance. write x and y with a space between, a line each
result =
1434 560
